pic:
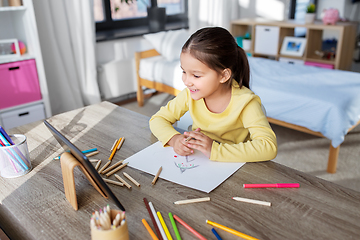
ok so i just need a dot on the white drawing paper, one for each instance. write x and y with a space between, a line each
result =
194 171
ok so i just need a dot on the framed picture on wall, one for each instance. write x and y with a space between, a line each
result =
293 46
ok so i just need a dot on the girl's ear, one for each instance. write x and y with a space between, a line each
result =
226 75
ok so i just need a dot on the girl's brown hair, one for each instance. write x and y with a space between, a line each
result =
217 48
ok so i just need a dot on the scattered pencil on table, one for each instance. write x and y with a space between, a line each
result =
113 182
157 230
156 176
272 185
123 181
176 231
163 224
247 200
112 148
84 152
131 179
216 234
94 160
193 231
98 165
116 169
148 228
229 230
121 143
195 200
91 154
105 166
112 167
162 232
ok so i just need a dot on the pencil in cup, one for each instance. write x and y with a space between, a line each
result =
119 233
14 159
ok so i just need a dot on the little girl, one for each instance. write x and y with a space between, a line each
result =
228 122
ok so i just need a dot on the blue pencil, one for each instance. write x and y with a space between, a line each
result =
18 158
6 136
85 151
216 234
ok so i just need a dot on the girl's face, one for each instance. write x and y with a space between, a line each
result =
202 81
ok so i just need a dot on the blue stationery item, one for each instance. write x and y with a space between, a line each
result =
216 234
85 151
3 132
18 158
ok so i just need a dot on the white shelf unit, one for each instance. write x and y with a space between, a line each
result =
19 23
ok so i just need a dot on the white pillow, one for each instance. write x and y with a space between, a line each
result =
169 43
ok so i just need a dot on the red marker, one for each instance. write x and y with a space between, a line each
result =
272 185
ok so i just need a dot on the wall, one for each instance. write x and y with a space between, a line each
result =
115 59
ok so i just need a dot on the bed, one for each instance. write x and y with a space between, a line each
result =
318 101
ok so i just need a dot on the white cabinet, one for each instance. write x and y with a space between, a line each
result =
267 40
18 22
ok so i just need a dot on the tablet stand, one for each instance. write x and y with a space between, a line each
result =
68 163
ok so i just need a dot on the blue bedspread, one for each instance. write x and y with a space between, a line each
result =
322 100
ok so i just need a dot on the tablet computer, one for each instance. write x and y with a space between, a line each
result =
84 161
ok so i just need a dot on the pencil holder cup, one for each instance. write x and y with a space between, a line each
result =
119 233
15 159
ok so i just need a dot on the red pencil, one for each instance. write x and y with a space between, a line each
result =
153 219
189 228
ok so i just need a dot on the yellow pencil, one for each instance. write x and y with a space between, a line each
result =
232 231
152 234
168 235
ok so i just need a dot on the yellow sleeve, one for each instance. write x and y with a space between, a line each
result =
162 121
261 144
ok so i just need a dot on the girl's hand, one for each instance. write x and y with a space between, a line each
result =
180 146
198 140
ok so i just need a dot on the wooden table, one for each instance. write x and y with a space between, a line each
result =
34 206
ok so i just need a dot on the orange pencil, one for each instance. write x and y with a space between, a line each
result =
114 150
154 237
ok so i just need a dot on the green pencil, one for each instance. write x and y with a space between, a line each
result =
174 226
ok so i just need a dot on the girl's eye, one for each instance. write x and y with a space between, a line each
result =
183 72
196 76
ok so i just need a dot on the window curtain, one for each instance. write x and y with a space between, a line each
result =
204 13
67 39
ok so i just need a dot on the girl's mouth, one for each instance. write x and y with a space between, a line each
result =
193 90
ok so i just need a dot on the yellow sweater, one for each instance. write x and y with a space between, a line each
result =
241 133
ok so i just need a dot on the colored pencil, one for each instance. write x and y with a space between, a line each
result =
148 228
216 234
116 169
131 179
9 155
112 167
232 231
89 150
123 181
114 150
163 224
156 176
195 200
198 235
94 160
121 143
252 201
91 154
105 166
177 234
98 165
272 185
157 230
113 182
19 160
157 221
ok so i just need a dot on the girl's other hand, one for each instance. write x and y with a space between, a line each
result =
180 146
198 140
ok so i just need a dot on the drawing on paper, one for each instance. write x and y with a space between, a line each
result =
185 165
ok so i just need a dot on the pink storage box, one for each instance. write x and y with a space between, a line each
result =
322 65
19 83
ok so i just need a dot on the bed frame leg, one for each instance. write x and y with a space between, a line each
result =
333 157
140 96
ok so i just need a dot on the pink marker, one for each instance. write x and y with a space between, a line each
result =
272 185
